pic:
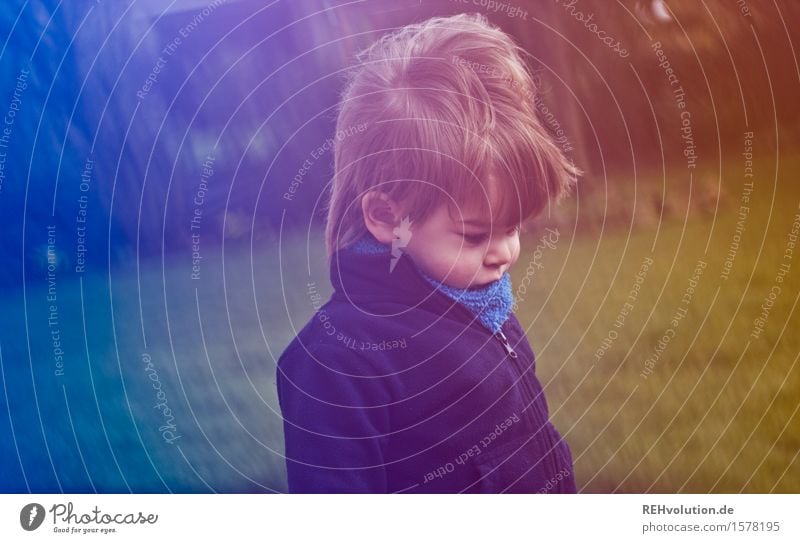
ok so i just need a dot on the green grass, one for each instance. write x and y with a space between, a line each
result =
719 413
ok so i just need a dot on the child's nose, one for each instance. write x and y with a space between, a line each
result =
499 254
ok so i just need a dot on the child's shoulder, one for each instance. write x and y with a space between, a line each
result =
334 332
340 320
327 369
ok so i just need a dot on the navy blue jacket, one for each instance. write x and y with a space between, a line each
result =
394 387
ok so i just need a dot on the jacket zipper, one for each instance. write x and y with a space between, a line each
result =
549 460
517 363
506 345
509 350
499 335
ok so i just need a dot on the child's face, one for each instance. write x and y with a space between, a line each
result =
463 251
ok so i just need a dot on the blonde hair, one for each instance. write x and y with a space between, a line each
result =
450 117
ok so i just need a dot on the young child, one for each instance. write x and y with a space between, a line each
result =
416 376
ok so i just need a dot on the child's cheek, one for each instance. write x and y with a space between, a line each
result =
516 255
466 260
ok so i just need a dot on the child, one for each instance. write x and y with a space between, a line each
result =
416 376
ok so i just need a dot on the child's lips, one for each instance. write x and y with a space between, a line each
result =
495 276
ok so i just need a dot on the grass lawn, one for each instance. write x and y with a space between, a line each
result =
718 410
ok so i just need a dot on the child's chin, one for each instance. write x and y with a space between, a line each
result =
483 284
467 284
478 286
464 285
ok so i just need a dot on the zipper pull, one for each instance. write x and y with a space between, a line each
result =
504 340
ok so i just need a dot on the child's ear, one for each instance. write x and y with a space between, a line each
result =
381 215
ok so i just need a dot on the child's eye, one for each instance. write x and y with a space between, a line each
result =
477 239
474 239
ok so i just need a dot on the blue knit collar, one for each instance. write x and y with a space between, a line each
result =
491 304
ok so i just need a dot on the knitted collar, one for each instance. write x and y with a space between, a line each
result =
491 304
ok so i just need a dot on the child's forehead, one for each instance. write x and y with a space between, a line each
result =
494 201
481 212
